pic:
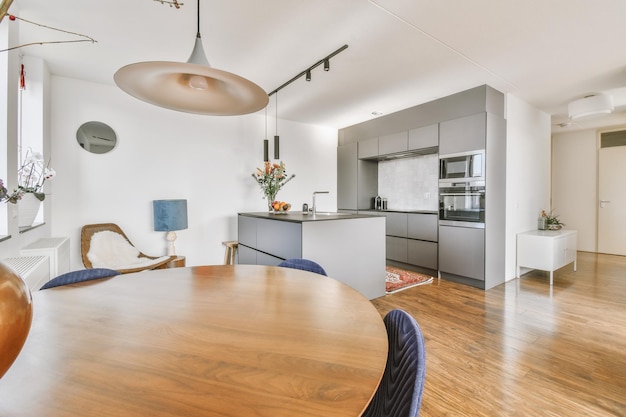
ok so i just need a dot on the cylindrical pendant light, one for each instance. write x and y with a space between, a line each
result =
266 143
276 138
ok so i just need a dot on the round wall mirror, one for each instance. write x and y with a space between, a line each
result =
96 137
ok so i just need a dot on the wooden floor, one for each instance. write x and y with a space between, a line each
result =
523 349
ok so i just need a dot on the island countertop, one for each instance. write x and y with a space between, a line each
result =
300 217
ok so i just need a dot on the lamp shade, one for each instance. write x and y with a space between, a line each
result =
169 215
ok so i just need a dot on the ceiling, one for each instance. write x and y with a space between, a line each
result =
401 53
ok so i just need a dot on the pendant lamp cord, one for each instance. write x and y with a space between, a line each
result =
276 113
198 18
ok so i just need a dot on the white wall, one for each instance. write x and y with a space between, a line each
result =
527 172
38 79
574 184
164 154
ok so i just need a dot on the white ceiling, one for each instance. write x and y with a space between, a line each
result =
401 52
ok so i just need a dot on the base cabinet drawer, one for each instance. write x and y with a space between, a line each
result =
281 239
249 256
423 227
396 249
422 253
265 259
396 224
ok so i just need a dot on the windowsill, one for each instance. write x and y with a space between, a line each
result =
3 238
28 228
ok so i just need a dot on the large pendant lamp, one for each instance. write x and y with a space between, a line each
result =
191 87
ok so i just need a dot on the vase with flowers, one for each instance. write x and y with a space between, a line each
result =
271 178
31 176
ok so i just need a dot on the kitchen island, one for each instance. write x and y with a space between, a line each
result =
350 247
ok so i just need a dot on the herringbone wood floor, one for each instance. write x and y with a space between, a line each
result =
523 349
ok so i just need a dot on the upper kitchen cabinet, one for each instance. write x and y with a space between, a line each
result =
393 143
368 148
424 137
463 134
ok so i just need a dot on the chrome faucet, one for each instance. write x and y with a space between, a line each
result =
314 193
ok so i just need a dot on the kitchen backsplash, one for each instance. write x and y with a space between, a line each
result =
410 183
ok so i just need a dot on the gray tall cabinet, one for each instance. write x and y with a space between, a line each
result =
357 180
466 121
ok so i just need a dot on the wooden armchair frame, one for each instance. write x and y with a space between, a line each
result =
89 230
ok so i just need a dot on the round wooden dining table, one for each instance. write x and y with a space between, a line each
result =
240 340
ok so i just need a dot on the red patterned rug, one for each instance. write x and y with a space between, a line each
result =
400 279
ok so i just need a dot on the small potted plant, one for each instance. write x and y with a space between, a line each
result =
553 222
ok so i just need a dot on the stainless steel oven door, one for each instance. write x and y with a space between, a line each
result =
462 205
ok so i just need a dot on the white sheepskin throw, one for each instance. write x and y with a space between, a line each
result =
110 250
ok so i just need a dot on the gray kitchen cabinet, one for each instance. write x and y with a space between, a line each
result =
396 248
396 224
246 255
412 238
260 237
422 226
422 253
393 143
265 259
367 183
282 239
368 148
468 121
463 134
347 177
247 232
424 137
350 247
462 251
357 180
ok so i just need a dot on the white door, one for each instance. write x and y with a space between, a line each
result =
612 200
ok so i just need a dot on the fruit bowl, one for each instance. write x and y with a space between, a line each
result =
280 207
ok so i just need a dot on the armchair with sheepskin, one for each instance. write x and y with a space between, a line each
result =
105 245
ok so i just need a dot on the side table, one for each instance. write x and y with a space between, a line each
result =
178 262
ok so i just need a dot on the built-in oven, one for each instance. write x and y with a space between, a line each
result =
462 166
462 204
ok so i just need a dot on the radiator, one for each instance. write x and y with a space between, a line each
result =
57 248
34 270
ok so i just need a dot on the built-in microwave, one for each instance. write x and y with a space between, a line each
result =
466 166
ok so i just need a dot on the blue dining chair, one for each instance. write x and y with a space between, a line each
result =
303 264
79 276
400 391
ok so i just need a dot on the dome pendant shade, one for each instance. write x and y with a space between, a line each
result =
191 87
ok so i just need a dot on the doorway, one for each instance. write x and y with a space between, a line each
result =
612 193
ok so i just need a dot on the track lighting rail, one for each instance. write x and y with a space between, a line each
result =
307 71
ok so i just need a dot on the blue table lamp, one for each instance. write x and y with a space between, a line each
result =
170 215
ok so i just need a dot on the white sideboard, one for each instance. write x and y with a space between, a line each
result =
547 250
